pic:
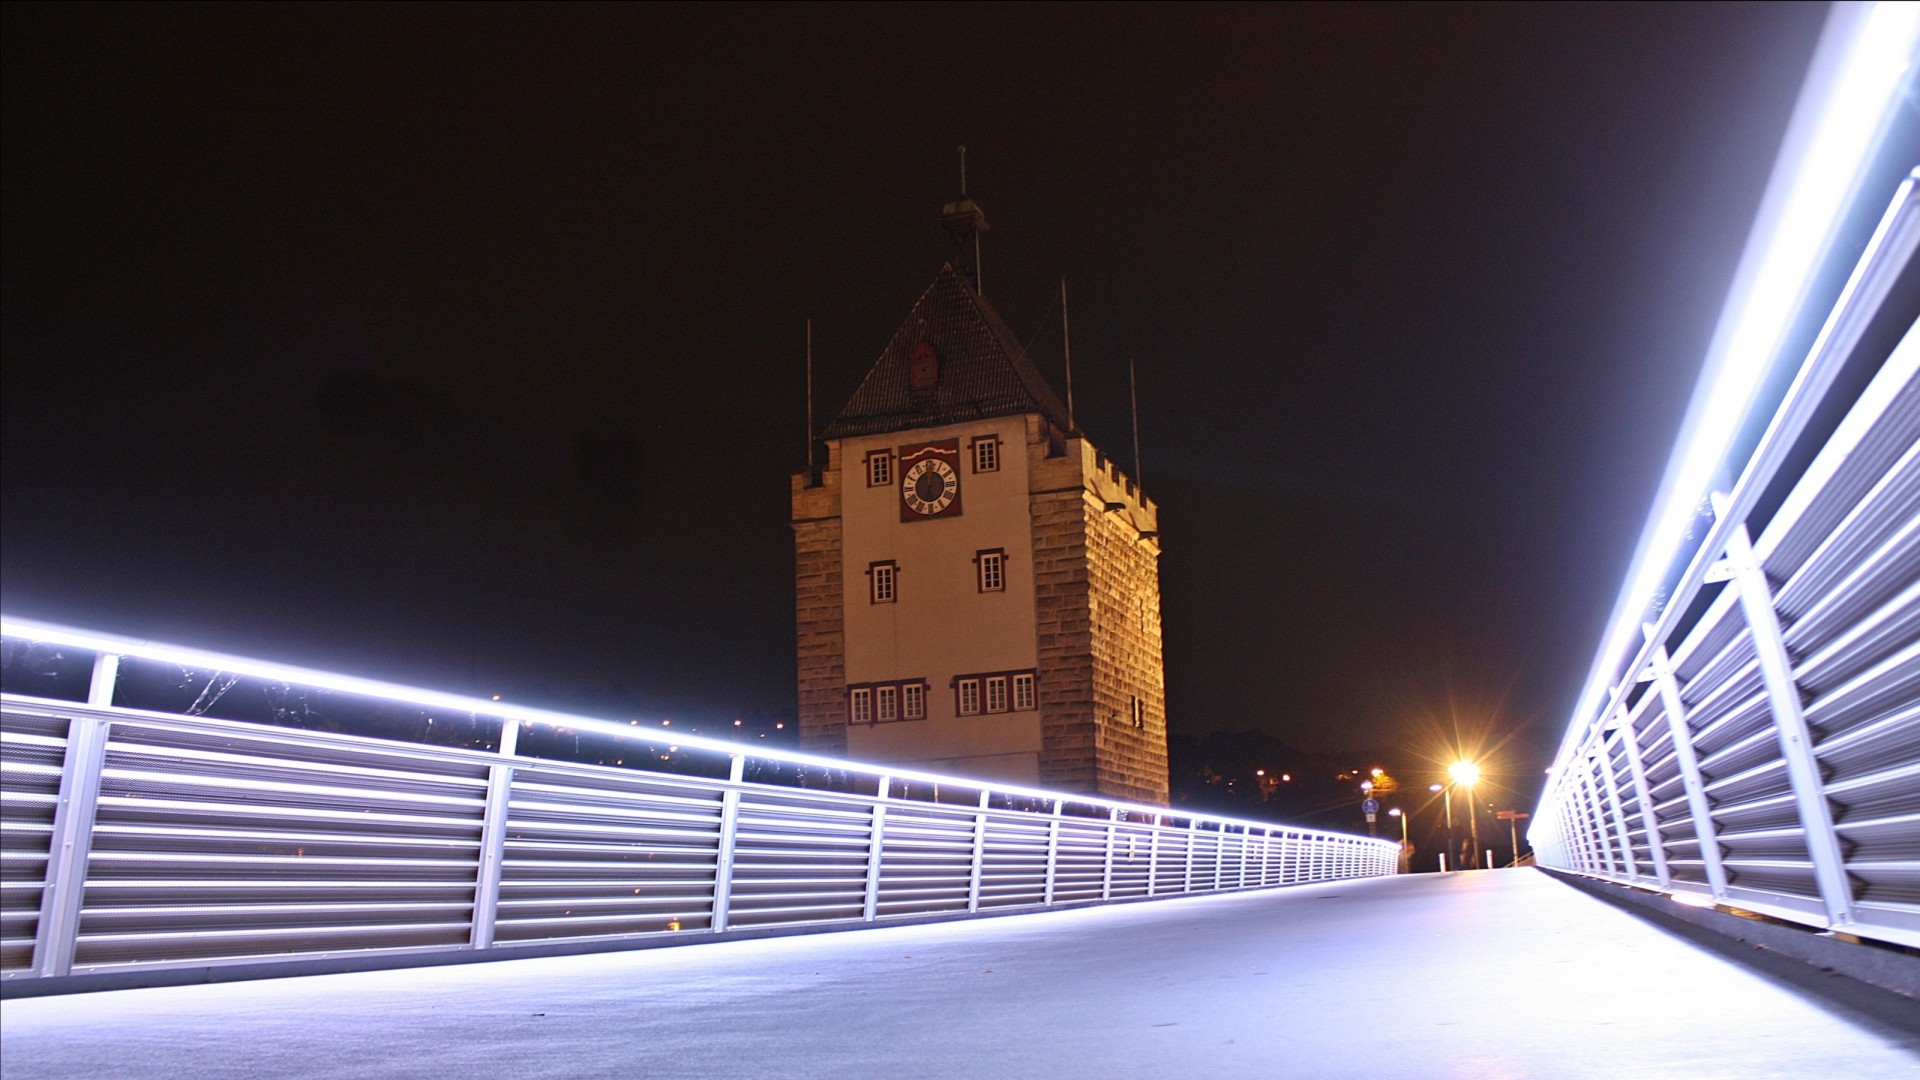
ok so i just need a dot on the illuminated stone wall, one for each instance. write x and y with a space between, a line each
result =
819 610
1097 586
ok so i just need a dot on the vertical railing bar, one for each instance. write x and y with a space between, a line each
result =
1193 839
1701 811
1106 872
1605 761
979 853
1790 724
105 677
876 838
1597 807
1219 856
729 833
1053 850
1153 854
493 840
71 842
1642 794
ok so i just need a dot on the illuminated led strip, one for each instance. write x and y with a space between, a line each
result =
272 671
1851 92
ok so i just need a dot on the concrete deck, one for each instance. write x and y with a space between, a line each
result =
1479 975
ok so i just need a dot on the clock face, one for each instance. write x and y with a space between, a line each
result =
929 486
930 480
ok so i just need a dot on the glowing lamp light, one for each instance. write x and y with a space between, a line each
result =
1464 773
1395 812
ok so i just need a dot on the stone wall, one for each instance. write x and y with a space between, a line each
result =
1064 636
819 611
1124 609
1097 585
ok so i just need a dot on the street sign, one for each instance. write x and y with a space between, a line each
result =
1512 815
1370 807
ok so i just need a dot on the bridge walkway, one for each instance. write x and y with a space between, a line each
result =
1499 974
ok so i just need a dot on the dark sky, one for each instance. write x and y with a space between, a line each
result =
463 346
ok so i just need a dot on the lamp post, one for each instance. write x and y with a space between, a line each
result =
1446 797
1395 812
1466 773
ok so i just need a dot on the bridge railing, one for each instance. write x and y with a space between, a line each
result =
139 841
1762 750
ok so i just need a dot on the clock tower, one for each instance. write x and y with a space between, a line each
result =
977 585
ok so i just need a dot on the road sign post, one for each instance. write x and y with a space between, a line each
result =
1512 818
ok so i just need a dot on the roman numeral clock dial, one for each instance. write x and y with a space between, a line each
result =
930 480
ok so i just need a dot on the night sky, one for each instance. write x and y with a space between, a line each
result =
463 346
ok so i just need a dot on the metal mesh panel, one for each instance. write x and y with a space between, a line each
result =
1015 871
1081 860
1132 861
800 856
214 841
927 861
592 852
30 767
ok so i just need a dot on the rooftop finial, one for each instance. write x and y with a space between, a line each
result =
965 223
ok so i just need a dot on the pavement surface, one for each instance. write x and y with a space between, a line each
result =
1488 975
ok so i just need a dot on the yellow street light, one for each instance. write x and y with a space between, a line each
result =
1466 773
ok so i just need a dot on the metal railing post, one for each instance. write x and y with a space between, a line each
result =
979 854
1790 724
106 674
729 830
1219 857
1698 808
493 840
1153 854
1106 872
1656 845
1595 826
1053 850
876 838
1193 838
1604 760
71 843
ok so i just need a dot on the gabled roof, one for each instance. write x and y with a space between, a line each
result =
983 370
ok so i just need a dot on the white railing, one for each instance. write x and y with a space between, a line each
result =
1762 750
136 841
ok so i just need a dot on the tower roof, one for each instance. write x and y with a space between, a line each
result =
980 369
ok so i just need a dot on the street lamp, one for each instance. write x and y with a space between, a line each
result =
1446 796
1395 812
1466 773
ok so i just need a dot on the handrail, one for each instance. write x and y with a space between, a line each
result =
1758 754
142 842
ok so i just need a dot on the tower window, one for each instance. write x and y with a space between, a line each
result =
913 701
882 582
1139 714
993 569
996 693
986 454
1022 692
860 705
880 468
886 702
967 695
